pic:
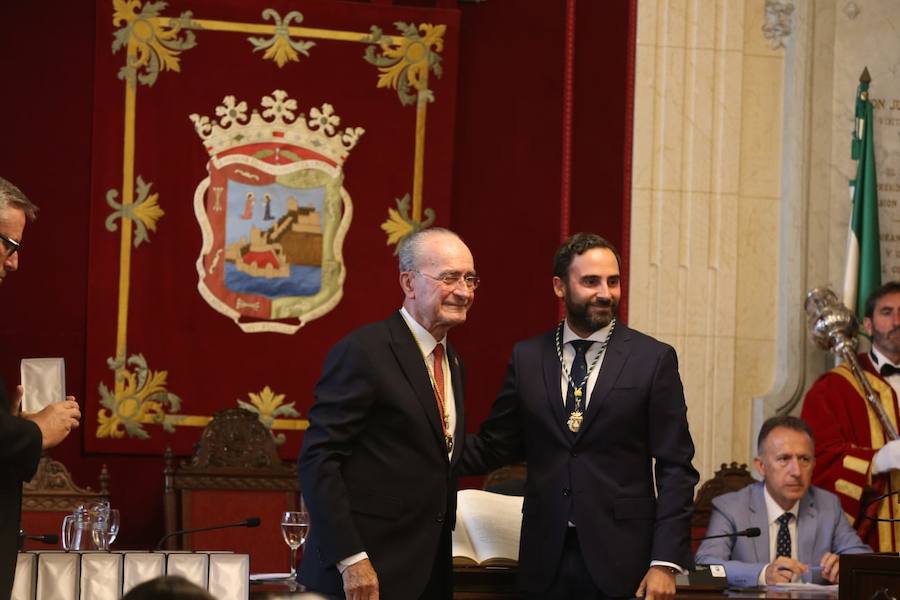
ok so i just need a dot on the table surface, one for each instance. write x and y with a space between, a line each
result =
284 590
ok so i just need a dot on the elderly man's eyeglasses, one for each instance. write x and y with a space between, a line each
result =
10 245
452 278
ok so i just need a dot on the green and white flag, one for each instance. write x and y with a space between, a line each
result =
863 271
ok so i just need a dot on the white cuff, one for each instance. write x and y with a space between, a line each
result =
761 579
350 560
663 563
887 458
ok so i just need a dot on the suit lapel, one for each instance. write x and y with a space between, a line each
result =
553 383
806 529
411 362
456 380
759 517
613 362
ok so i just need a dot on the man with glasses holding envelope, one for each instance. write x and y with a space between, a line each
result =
21 437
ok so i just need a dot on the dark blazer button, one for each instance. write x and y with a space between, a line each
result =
573 454
439 518
566 491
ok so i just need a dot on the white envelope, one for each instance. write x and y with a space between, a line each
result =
44 380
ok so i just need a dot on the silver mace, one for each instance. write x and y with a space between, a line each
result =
833 327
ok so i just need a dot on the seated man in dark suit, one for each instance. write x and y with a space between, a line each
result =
800 525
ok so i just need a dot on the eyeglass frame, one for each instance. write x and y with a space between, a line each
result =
10 245
471 281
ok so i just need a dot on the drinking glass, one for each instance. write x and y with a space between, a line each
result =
105 528
294 527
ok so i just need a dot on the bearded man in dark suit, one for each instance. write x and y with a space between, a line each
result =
376 468
597 411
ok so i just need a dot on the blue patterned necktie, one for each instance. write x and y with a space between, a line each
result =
783 541
576 375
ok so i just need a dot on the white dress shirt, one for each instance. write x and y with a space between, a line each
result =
568 352
774 511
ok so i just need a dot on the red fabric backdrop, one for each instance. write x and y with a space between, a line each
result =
505 187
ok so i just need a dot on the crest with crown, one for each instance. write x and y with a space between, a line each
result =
279 124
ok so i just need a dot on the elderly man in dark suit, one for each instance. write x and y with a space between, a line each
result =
376 469
21 439
598 412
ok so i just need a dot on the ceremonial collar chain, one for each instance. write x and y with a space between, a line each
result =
577 416
594 362
443 406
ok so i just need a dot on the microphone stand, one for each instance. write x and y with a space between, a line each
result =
251 522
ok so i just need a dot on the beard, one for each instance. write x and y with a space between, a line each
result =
589 315
887 342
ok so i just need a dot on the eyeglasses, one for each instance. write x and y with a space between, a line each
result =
11 245
452 278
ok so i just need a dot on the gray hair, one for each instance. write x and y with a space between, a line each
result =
410 249
12 196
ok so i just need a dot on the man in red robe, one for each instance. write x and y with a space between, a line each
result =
855 458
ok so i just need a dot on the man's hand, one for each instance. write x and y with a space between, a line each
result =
360 581
56 421
830 564
783 570
657 584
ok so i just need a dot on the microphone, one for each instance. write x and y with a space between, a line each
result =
251 522
48 538
749 532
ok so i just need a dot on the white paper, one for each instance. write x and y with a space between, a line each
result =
57 575
26 577
101 575
141 567
229 576
191 566
44 380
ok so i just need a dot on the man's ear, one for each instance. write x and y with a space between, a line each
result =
760 466
406 285
867 326
559 287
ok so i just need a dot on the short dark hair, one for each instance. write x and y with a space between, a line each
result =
786 421
577 245
890 287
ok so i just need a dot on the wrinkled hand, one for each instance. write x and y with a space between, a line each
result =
657 584
783 570
830 564
56 421
360 581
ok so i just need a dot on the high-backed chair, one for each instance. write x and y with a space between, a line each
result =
234 474
51 495
729 478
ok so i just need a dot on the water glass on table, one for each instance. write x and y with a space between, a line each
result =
294 528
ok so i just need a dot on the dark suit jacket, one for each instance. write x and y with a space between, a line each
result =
374 470
821 527
602 478
20 451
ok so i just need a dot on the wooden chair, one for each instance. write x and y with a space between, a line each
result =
508 480
235 473
51 495
729 478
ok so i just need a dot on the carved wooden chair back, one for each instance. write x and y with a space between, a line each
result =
51 495
234 474
729 478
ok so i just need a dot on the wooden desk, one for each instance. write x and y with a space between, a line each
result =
474 583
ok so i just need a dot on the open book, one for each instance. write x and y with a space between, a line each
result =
487 529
